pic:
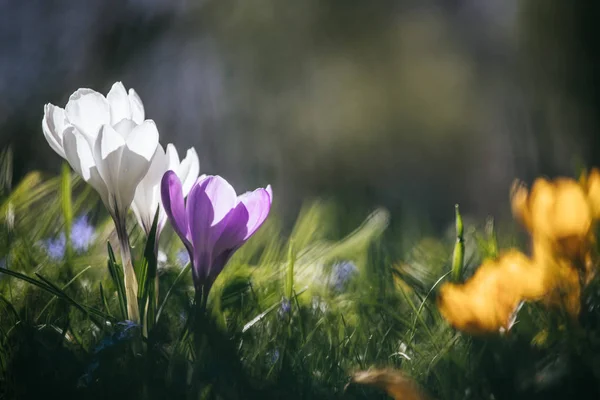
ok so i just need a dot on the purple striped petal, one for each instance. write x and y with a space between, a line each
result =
172 198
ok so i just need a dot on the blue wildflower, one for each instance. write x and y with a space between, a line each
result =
341 274
56 247
125 331
183 257
82 233
128 329
284 308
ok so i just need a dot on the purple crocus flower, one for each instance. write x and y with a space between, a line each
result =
284 308
214 223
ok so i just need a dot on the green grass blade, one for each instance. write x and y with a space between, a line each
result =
63 288
290 273
104 301
30 280
69 299
116 274
51 288
147 279
10 306
185 270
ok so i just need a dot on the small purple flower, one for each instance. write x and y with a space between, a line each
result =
56 247
183 258
341 274
284 308
127 329
214 223
82 233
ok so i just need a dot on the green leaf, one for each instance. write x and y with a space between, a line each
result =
116 274
63 288
104 301
11 308
50 287
69 299
147 279
185 270
290 273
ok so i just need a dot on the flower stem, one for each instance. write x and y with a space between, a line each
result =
130 281
67 210
156 277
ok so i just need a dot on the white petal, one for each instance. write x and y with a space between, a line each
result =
133 168
137 214
137 107
53 125
79 155
138 154
188 170
147 194
108 151
143 139
118 101
88 110
172 158
124 127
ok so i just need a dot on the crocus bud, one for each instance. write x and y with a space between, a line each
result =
459 248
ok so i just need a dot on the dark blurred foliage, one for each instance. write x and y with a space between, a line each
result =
414 105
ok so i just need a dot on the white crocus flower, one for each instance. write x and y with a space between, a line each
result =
147 195
107 141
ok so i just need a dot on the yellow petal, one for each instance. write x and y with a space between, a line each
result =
487 302
524 276
392 381
518 201
572 213
561 278
593 191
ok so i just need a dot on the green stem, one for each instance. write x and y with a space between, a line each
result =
67 209
130 281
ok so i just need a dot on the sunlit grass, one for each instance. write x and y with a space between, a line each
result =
282 324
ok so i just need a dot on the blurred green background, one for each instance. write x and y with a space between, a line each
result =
412 105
